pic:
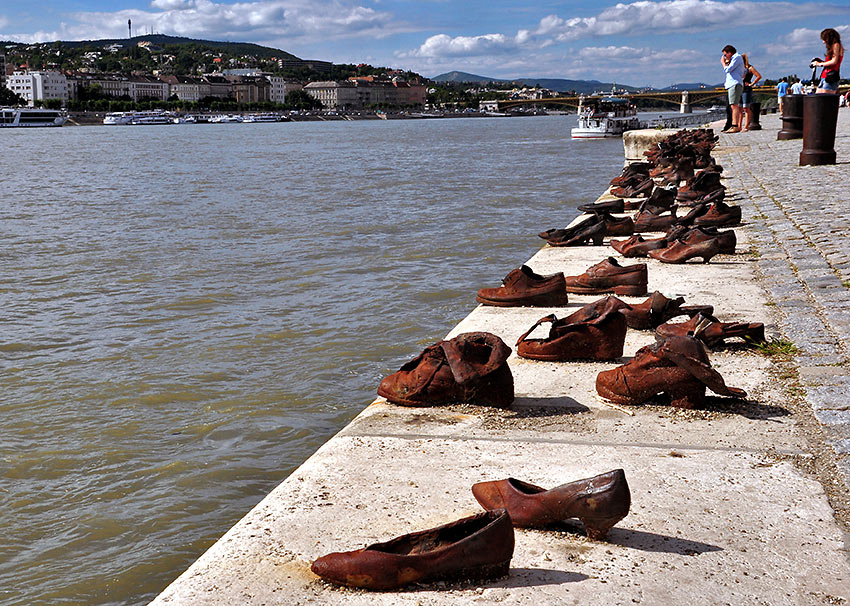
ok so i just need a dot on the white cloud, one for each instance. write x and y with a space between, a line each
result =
253 21
170 4
802 41
645 16
638 18
442 45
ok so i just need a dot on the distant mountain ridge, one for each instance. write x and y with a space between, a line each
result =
559 84
236 48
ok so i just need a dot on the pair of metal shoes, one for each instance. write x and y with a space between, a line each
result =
597 331
480 547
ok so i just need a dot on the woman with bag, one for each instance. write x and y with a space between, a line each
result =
834 54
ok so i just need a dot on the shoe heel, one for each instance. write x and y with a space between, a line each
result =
597 528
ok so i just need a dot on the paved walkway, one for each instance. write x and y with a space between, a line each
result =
725 509
799 229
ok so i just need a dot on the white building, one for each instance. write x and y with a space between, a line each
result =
38 86
280 88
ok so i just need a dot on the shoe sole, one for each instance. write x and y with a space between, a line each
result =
530 302
627 290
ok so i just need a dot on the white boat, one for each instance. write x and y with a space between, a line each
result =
261 118
154 116
600 117
114 118
29 117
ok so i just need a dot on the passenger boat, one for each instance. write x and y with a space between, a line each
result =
261 118
154 116
600 117
29 117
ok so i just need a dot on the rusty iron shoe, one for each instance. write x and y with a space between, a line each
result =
647 221
475 548
726 240
720 214
657 309
523 287
595 332
680 252
609 276
677 366
471 367
599 502
637 246
712 331
608 206
591 228
637 191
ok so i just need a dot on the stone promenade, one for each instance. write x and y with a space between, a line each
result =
743 501
799 227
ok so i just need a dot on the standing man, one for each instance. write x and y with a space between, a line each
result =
781 91
797 87
733 65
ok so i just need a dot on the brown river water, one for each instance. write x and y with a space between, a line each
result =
188 312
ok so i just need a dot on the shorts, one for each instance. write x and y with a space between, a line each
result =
747 97
734 93
827 86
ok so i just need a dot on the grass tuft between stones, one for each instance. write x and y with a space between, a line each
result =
778 348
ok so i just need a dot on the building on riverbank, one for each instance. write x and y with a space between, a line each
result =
358 93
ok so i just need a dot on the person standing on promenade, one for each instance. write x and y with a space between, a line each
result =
834 55
797 87
781 91
733 66
751 77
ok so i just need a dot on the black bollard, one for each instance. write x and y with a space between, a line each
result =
792 118
754 116
820 117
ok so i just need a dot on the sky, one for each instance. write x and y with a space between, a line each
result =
640 43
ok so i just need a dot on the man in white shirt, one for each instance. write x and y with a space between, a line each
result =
797 88
733 66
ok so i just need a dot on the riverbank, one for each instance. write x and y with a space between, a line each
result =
726 501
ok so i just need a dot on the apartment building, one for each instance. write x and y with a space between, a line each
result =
38 86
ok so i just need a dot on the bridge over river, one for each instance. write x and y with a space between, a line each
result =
683 98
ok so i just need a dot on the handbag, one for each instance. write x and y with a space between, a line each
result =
832 77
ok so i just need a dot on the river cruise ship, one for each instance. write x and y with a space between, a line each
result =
29 117
605 117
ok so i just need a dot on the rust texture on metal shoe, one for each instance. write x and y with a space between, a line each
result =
657 309
524 287
637 246
599 502
609 276
677 366
472 367
595 332
712 331
680 252
476 548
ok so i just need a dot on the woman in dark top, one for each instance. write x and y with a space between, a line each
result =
751 77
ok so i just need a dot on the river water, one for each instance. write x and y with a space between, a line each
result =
188 312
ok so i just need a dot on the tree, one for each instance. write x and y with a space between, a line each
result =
300 99
8 97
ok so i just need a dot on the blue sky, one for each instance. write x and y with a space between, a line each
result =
646 42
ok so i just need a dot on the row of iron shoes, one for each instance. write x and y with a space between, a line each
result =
472 367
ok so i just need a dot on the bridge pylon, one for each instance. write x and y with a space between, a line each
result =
685 105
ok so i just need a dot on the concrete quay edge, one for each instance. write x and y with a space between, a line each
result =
727 506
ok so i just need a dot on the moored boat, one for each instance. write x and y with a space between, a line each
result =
29 117
601 117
